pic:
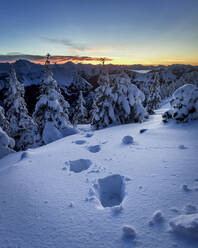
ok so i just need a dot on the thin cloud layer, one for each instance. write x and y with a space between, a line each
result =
68 43
54 59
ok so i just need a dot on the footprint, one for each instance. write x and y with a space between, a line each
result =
89 135
94 149
143 130
80 142
79 165
182 147
111 190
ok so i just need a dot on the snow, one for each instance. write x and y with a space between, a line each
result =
6 143
79 165
157 217
127 140
45 206
111 190
50 133
190 209
94 149
185 225
129 232
184 104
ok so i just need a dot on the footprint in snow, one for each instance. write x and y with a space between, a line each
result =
94 149
143 130
89 135
182 147
111 190
185 188
79 165
80 142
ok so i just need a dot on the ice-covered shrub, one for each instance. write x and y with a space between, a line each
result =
184 104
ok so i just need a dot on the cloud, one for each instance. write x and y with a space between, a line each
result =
68 43
14 53
54 59
74 47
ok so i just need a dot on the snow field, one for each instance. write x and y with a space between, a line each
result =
44 205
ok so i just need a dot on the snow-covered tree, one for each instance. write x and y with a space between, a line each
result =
128 98
51 111
117 101
154 98
104 103
4 124
184 104
21 126
6 144
80 114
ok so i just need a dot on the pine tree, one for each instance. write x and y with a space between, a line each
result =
80 114
21 126
51 111
129 100
154 99
103 106
117 101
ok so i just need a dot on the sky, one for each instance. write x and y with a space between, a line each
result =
124 31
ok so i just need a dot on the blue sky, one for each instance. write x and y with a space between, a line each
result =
128 31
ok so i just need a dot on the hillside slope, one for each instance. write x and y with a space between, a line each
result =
81 190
